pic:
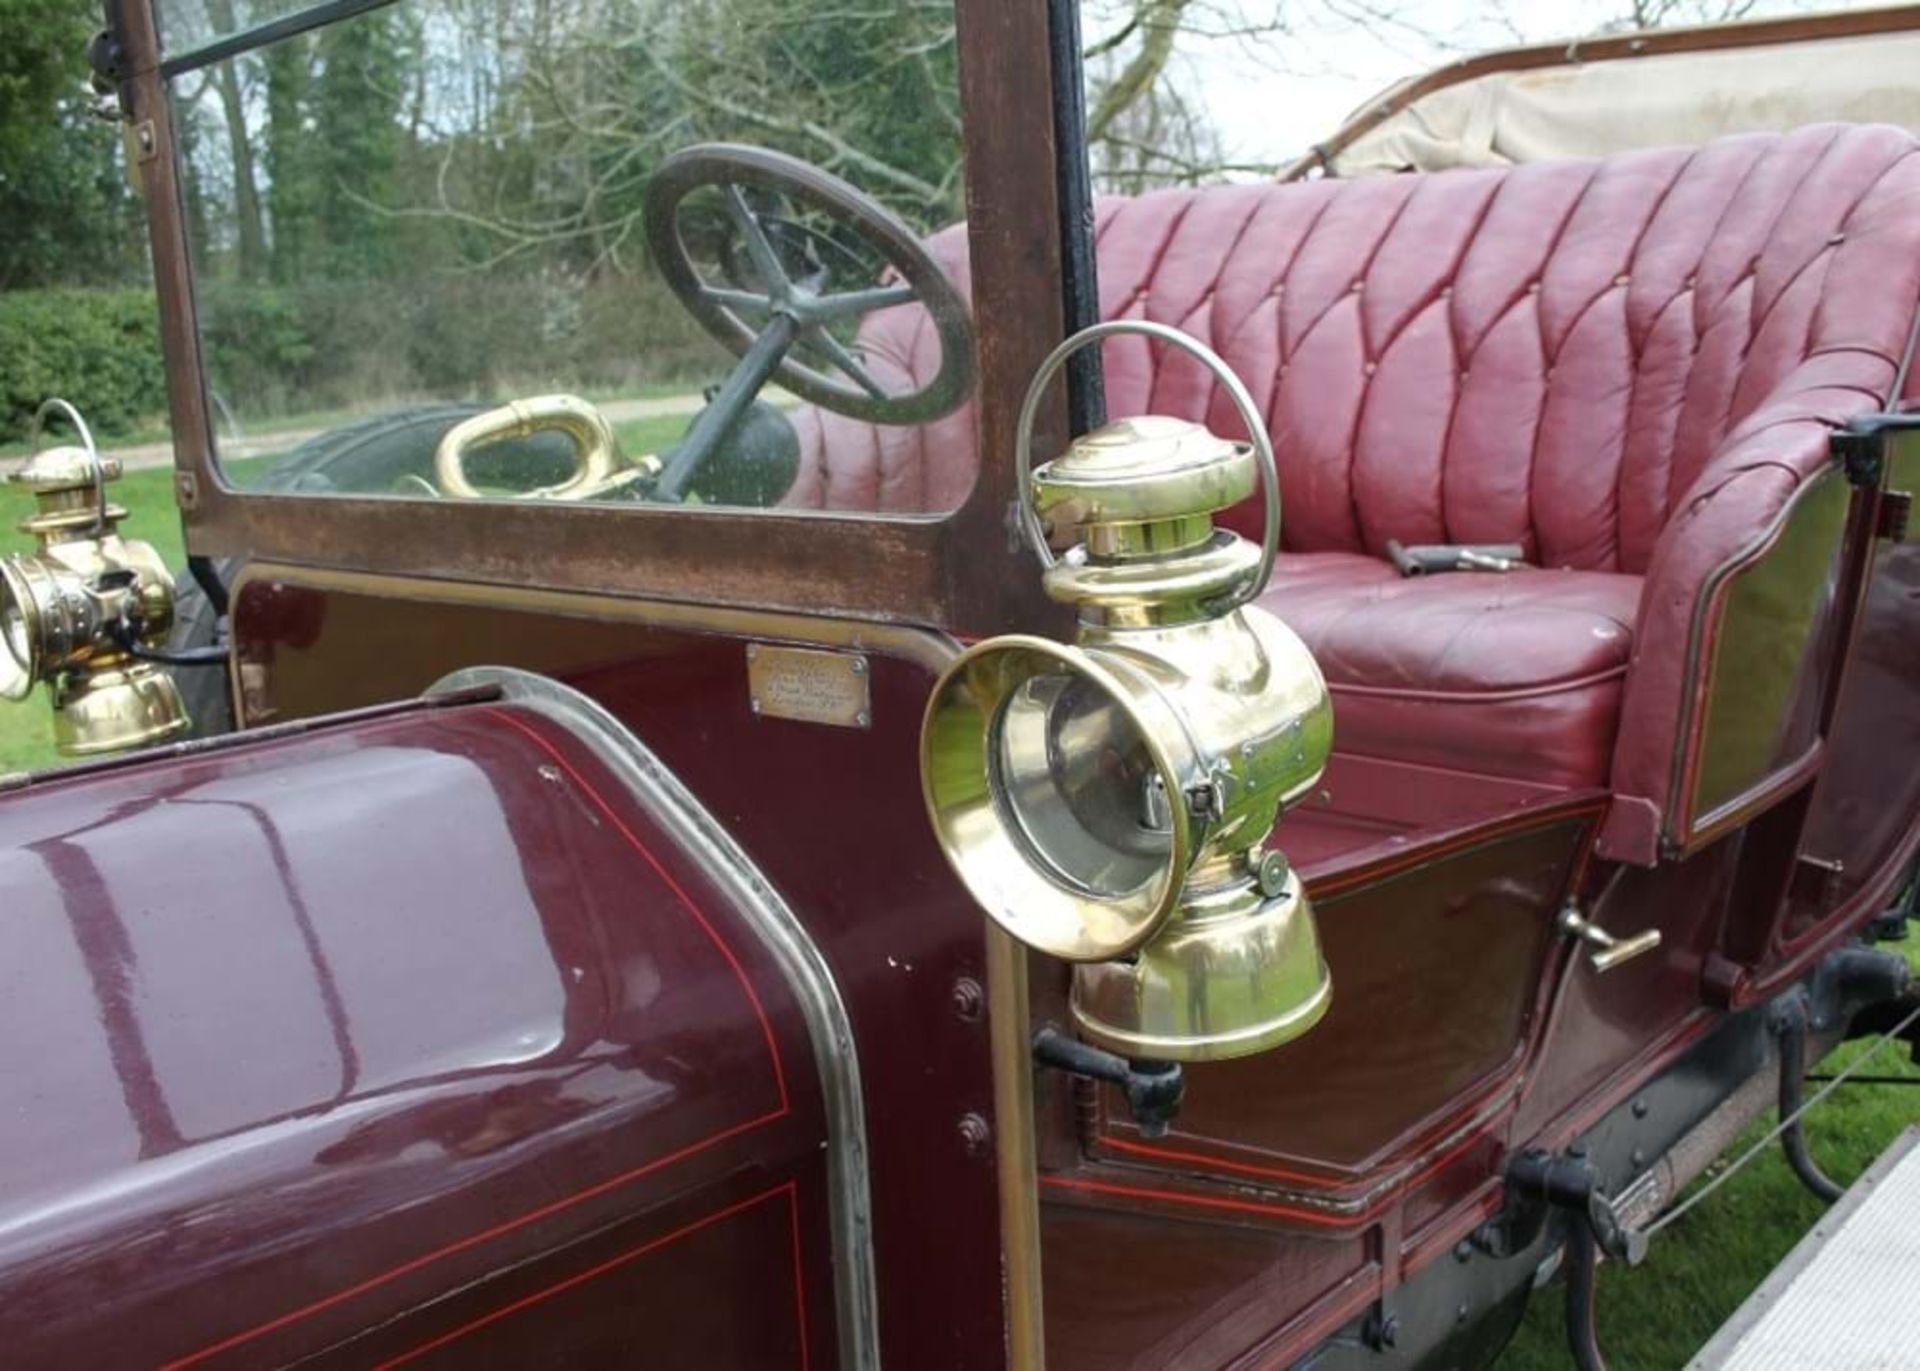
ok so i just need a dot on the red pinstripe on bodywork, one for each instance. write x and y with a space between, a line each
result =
590 1192
1281 1211
613 1263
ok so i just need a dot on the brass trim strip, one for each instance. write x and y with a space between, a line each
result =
727 865
1015 1153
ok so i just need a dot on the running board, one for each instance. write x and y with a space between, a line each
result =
1826 1307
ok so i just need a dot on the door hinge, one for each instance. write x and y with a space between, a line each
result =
1816 880
1896 515
1862 456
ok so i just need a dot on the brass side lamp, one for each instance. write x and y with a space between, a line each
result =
1109 803
76 612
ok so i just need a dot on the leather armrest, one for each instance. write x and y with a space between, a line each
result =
1728 519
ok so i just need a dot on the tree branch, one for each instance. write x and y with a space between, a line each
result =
1160 22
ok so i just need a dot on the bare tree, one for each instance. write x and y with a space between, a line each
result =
1658 14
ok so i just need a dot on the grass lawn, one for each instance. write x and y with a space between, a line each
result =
640 436
1652 1318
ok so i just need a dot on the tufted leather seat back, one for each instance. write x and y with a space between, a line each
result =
1632 367
1549 354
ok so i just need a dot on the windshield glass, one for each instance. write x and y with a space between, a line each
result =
586 250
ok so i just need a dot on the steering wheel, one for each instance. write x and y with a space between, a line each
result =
798 259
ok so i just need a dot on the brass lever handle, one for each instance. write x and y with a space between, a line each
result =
1607 951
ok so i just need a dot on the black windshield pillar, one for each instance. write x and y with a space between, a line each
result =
1079 274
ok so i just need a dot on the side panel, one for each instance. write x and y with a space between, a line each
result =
1438 961
1866 808
831 815
1608 1028
1771 657
1808 803
364 1040
1401 1121
1304 1184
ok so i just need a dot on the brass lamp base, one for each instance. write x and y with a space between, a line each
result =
112 708
1234 973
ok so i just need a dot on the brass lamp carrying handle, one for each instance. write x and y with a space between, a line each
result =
55 405
594 446
1236 391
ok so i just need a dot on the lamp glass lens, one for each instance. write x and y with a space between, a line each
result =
1079 787
16 633
13 628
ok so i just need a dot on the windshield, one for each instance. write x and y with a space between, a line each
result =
577 250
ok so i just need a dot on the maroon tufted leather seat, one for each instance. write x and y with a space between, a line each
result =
1627 366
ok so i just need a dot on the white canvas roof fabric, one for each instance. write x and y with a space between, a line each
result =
1675 99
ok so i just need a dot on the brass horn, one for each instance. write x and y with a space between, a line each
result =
598 468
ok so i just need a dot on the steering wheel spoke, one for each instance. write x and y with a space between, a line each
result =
842 357
850 304
759 247
737 299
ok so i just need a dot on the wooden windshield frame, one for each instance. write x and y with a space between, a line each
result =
950 571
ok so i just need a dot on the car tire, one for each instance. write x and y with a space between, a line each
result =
206 690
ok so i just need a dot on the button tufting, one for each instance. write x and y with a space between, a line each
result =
1515 453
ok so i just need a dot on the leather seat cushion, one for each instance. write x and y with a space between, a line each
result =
1629 367
1517 674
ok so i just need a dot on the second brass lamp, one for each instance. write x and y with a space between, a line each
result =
1110 803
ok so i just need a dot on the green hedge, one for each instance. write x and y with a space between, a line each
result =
99 349
277 350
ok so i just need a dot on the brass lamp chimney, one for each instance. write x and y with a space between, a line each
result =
74 613
1110 803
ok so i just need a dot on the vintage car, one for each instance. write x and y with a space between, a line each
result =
909 870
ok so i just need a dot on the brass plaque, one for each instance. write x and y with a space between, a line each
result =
809 685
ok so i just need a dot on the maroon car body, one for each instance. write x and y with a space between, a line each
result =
510 990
